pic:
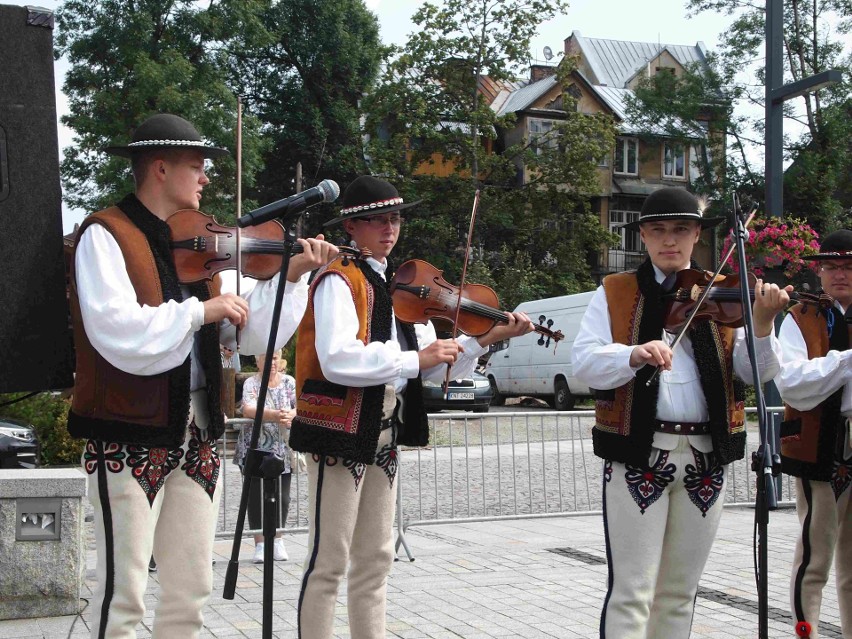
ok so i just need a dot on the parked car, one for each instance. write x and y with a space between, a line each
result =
471 393
18 444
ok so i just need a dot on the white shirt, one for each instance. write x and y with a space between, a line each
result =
805 383
147 340
604 365
347 360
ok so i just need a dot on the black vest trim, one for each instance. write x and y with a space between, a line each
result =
707 346
414 430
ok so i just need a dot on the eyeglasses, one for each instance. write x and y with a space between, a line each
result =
834 268
380 221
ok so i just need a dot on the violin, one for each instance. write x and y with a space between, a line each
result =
723 303
420 293
202 247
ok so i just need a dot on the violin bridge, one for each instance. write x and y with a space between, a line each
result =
695 292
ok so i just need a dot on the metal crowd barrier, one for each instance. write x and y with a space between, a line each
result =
479 467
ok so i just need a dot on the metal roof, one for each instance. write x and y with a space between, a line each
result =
615 62
616 99
523 98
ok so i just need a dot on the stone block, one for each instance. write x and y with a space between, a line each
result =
41 578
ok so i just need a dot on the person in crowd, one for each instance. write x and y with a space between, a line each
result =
359 375
146 393
666 445
816 385
230 358
278 413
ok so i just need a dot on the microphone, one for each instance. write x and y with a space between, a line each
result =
325 191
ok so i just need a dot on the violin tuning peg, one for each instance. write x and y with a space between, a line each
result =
541 341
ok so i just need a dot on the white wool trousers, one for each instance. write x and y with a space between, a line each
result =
825 534
351 509
659 524
153 501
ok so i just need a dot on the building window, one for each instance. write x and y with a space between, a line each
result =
626 156
674 161
541 134
630 240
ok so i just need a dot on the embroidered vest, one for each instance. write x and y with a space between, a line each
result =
625 416
116 406
811 439
344 421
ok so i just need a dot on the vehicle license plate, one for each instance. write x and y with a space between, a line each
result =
460 396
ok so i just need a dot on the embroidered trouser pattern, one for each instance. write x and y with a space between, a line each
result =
659 525
825 517
350 509
153 501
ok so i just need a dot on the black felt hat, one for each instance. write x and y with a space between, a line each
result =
835 246
166 131
368 195
672 203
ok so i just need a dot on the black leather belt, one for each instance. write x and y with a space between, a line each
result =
683 428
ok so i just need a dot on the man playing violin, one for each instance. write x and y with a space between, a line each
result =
358 395
146 394
816 385
665 446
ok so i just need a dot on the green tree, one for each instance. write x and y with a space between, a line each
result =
429 105
303 72
129 60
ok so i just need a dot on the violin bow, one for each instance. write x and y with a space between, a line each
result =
461 284
239 202
703 297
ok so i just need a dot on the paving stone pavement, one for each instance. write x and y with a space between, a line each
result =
526 578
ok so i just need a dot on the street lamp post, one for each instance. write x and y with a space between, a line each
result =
766 461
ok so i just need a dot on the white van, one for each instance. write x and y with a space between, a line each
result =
532 365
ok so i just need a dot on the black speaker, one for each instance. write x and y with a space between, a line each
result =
36 351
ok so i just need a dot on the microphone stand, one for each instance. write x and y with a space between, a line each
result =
765 462
262 464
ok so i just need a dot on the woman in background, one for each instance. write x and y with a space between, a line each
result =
278 413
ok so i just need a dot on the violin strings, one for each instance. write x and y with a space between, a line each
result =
251 245
726 294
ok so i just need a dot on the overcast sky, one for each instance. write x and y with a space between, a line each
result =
662 21
641 20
